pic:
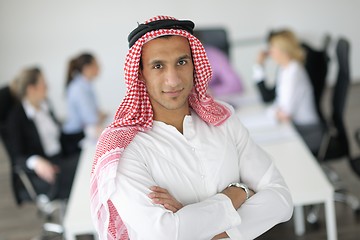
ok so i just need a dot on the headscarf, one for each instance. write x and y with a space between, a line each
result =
135 114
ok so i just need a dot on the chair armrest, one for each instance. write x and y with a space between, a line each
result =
22 173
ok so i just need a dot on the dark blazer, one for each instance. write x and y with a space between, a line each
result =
23 137
22 141
7 102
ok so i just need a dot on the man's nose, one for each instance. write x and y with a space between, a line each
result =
172 77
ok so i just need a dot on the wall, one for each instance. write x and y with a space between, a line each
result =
49 33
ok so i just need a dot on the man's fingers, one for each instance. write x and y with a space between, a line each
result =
169 202
158 189
160 195
163 197
171 208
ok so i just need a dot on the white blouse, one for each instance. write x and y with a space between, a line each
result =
294 94
48 130
195 167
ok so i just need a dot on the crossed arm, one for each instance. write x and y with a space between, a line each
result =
162 196
190 211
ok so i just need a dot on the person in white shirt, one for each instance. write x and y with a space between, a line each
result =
293 97
175 164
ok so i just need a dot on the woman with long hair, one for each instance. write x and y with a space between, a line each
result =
293 96
84 116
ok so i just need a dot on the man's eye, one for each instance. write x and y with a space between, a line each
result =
157 66
182 62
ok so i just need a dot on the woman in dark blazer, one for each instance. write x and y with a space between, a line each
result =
34 138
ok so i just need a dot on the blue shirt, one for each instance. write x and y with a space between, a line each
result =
82 105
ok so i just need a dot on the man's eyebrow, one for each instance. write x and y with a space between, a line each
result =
185 56
156 61
159 61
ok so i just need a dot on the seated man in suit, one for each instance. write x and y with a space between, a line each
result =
34 138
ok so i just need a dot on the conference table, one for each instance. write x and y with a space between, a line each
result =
302 173
77 219
306 180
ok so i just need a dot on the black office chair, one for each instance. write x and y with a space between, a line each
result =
25 191
316 65
335 142
216 37
355 162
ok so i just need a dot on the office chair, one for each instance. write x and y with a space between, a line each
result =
316 65
216 37
335 141
25 191
357 137
355 163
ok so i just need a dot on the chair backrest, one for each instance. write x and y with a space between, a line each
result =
216 37
316 65
22 187
22 190
341 90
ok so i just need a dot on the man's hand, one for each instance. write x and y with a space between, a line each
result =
162 196
236 195
46 170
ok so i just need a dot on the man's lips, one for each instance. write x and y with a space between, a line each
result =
173 93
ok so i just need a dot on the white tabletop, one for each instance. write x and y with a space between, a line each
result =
77 219
301 171
307 182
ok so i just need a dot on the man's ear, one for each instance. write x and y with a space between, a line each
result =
141 76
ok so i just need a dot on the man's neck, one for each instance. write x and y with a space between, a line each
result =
174 118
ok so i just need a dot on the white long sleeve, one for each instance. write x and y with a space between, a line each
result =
145 220
195 167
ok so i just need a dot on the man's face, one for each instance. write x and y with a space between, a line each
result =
168 72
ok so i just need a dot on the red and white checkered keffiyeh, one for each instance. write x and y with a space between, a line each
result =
135 114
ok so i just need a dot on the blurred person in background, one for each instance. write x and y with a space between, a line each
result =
225 80
8 99
34 136
84 118
293 98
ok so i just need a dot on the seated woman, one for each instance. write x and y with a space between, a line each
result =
294 98
225 80
34 138
84 116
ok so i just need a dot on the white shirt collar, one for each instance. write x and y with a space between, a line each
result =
30 110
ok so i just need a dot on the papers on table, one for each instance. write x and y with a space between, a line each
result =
263 126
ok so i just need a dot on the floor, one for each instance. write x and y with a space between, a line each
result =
23 223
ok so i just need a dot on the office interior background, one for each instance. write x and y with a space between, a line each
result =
48 33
